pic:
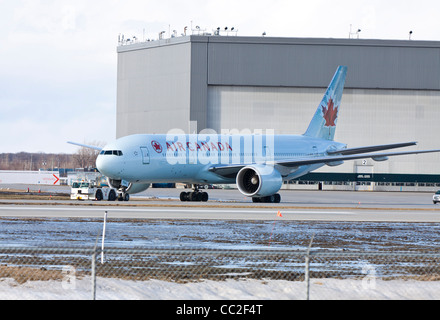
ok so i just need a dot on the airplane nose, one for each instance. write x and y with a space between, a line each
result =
106 164
102 165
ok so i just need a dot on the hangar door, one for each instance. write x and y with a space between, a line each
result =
285 110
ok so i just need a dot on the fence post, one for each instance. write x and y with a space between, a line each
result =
94 269
307 269
94 275
307 277
103 237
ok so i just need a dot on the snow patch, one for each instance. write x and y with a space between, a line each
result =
320 289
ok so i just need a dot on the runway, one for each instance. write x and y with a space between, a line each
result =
231 205
226 213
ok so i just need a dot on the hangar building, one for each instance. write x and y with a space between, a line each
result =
392 94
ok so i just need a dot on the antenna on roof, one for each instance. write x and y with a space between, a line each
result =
352 34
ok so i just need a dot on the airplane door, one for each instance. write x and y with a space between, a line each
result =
145 155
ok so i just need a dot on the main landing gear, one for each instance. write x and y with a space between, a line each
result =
275 198
196 195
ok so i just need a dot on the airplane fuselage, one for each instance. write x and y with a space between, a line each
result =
145 158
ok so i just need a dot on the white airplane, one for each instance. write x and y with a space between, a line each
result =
257 163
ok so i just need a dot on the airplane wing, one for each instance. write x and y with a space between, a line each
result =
333 159
371 148
85 145
227 171
337 158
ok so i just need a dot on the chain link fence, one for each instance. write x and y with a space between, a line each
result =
185 273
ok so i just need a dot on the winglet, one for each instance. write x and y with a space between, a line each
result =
324 121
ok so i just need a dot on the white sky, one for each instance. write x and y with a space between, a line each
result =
58 59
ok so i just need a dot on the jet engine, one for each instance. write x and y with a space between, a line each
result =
259 181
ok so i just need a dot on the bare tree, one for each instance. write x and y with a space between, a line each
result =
35 161
86 157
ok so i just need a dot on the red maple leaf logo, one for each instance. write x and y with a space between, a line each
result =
156 146
330 114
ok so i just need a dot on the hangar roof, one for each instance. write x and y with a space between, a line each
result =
309 62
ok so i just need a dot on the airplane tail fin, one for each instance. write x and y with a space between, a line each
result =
324 121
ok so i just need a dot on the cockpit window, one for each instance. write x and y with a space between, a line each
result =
111 152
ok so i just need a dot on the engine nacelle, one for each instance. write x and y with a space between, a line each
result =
259 181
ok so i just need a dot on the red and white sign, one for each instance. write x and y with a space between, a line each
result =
29 177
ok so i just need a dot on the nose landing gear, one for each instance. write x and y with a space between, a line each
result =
196 195
123 196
